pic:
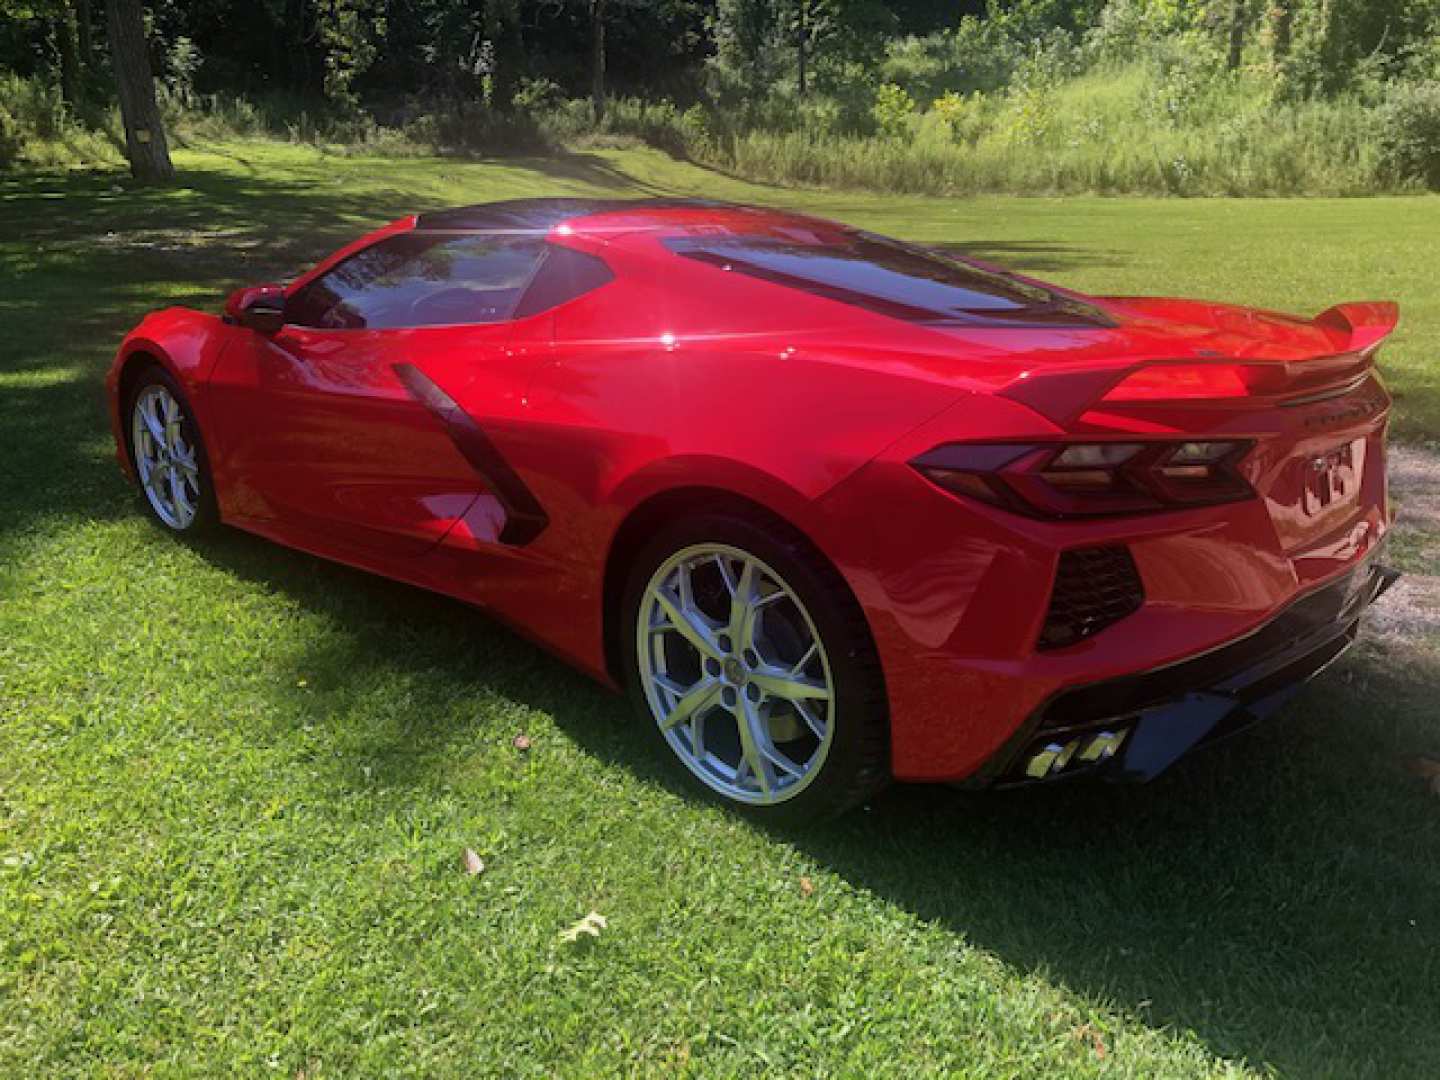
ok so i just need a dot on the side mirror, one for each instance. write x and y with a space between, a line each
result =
260 307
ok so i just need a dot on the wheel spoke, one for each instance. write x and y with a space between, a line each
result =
807 714
746 721
687 622
690 701
152 422
804 661
780 683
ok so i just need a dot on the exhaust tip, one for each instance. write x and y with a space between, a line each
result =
1053 758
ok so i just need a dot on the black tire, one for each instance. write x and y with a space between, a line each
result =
207 513
858 761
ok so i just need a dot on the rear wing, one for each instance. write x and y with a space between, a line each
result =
1354 331
1359 327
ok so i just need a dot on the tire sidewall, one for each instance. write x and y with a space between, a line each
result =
207 513
852 668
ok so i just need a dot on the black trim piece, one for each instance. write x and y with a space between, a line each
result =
525 518
1231 667
543 214
564 274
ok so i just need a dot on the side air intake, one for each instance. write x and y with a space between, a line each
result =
1094 588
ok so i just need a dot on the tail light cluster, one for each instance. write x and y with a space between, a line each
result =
1090 479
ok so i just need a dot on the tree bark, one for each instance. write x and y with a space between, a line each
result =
145 143
503 18
1237 34
597 57
802 43
87 43
1283 15
67 36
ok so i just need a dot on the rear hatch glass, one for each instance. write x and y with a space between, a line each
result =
889 277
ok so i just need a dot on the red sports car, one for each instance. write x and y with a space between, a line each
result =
833 507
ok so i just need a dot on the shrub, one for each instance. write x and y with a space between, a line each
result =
11 140
892 111
1409 134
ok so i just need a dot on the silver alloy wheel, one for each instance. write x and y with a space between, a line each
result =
168 467
735 674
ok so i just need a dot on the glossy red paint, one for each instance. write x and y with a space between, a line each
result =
677 374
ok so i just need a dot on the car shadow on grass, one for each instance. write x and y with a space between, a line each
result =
1275 895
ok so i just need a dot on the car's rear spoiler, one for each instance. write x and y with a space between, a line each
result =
1355 332
1359 327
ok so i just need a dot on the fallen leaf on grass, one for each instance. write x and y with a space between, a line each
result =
807 887
473 863
521 742
587 928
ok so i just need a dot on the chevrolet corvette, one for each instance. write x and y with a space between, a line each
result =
835 509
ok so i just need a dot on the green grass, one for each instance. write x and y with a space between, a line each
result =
236 783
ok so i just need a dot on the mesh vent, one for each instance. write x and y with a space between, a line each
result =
1094 587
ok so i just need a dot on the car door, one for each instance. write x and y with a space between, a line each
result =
332 427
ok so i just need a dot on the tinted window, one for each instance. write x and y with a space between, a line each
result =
564 275
420 279
885 276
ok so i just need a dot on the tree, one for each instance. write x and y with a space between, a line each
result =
502 27
597 56
1237 34
67 37
145 143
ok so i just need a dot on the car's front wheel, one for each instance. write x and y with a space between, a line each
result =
753 663
168 455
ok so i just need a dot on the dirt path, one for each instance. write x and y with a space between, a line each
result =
1411 609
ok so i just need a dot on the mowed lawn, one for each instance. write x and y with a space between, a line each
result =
236 783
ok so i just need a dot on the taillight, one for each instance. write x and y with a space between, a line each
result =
1090 479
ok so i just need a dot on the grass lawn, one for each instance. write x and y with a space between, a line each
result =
236 783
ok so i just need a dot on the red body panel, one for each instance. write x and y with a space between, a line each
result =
676 374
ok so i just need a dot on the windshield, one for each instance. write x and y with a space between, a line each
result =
886 276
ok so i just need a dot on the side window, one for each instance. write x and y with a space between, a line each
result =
564 275
420 279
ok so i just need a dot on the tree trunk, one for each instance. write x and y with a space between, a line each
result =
597 57
1282 29
145 144
1237 34
67 36
802 43
87 42
503 29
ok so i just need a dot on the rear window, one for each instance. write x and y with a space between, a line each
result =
886 276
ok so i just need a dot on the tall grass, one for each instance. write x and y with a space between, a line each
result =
1108 132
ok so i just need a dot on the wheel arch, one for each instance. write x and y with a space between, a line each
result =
657 511
127 373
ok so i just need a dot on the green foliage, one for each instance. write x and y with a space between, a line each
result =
892 111
11 139
1409 147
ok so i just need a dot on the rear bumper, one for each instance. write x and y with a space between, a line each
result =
1135 727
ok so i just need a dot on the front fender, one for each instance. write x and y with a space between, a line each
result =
186 343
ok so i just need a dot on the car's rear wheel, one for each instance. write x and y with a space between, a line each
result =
751 660
168 454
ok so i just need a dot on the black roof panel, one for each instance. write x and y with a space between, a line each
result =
542 215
